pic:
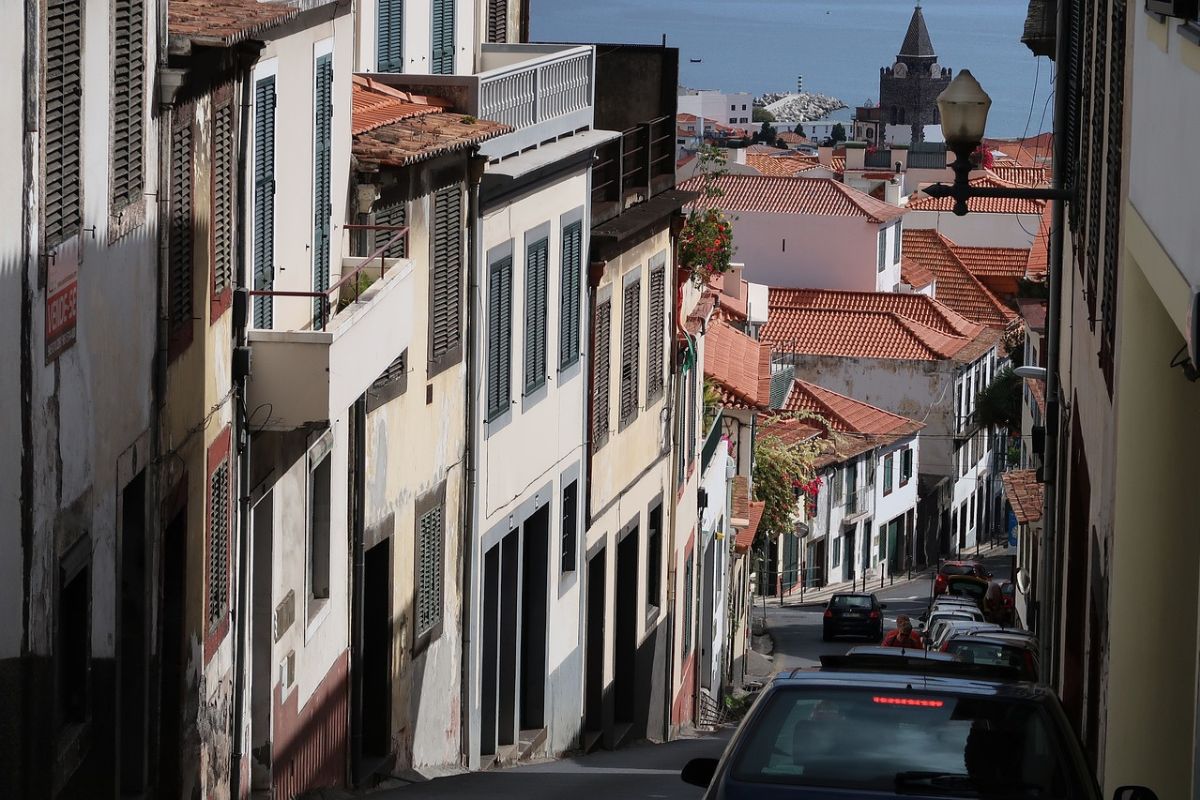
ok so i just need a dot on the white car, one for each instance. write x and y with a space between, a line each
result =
957 626
938 621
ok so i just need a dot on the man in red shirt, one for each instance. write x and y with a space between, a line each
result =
903 636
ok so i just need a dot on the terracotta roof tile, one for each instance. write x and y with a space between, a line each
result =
766 150
845 414
1033 311
792 137
701 313
981 205
882 325
1025 494
1037 389
838 164
915 274
1030 151
1020 175
1001 262
740 366
816 196
745 536
790 430
373 105
1038 265
956 286
787 166
419 138
740 504
226 22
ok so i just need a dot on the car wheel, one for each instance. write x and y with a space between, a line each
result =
826 636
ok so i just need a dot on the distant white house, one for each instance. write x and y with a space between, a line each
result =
736 109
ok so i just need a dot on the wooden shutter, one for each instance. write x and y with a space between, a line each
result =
601 369
395 214
631 311
570 523
64 45
223 178
1083 174
1074 78
882 249
218 544
1112 192
264 199
693 379
499 376
179 249
536 257
1096 165
322 203
389 36
654 337
497 21
429 571
442 40
569 300
128 91
896 244
446 284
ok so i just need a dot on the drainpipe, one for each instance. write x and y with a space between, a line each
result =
358 483
241 433
1048 608
475 168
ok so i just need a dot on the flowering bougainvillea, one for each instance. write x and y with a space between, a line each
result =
809 489
706 241
982 158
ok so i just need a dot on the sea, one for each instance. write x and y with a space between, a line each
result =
837 46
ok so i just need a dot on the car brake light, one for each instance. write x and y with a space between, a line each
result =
918 702
1030 665
828 614
946 646
874 615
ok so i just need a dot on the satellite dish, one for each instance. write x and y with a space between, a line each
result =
1023 581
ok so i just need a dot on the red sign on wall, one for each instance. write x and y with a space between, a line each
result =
62 292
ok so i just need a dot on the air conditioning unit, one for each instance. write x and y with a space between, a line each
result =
1184 9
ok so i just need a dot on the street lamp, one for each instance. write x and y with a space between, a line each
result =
1035 373
964 108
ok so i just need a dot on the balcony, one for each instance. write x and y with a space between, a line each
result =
633 168
542 90
878 159
312 372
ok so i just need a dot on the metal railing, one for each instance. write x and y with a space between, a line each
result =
710 443
323 301
927 155
632 162
878 159
528 93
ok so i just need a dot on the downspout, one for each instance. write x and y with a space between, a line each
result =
358 488
241 434
1048 609
475 168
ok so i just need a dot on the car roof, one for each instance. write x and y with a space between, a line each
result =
961 563
961 684
851 594
1000 641
898 652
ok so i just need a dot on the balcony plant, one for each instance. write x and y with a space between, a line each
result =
706 241
779 466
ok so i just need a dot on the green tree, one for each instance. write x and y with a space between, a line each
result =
999 404
767 134
779 467
760 114
838 134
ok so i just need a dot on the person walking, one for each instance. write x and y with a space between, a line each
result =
903 635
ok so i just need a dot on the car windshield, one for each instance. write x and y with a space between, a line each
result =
850 601
958 569
906 742
973 589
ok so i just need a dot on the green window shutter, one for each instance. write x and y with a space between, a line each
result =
570 524
896 245
442 40
536 257
882 248
128 90
397 215
429 571
223 178
179 248
631 312
655 336
322 203
497 21
218 544
568 314
601 369
264 199
688 598
499 366
64 46
446 283
389 36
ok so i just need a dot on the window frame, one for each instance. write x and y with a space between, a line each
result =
570 291
500 260
602 367
535 342
223 188
319 456
434 500
881 263
181 242
569 513
906 465
888 474
656 320
439 361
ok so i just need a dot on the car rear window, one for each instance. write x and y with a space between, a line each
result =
957 569
847 601
905 742
972 589
987 653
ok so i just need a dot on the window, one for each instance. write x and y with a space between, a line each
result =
838 486
882 263
392 383
887 473
442 41
1112 193
896 243
571 291
570 525
218 545
179 248
601 370
536 256
499 364
389 36
322 202
962 524
693 380
497 21
656 320
631 312
743 106
974 518
654 555
430 533
264 199
128 91
222 212
64 43
837 551
852 486
733 107
445 287
320 485
396 216
688 595
882 544
906 465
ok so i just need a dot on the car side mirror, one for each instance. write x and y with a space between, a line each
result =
699 772
1134 793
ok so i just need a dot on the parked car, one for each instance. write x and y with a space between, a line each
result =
955 626
861 724
1020 654
1004 634
968 586
952 568
853 614
932 622
951 602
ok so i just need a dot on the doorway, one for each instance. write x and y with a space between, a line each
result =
489 625
708 591
1076 567
625 634
506 726
593 708
377 651
534 587
173 654
134 603
262 643
848 554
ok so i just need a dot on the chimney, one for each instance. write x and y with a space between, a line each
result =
824 155
899 157
739 155
856 156
732 285
891 191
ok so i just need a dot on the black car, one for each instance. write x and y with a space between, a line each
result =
853 615
912 727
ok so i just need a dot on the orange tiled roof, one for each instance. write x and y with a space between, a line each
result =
1038 265
1002 262
845 414
745 536
790 430
373 105
1037 389
728 306
1020 174
981 205
740 366
838 164
1025 494
792 137
701 313
881 325
1030 151
740 502
1033 311
956 286
786 166
915 274
816 196
226 22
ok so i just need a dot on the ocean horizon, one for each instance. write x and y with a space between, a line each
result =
761 46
